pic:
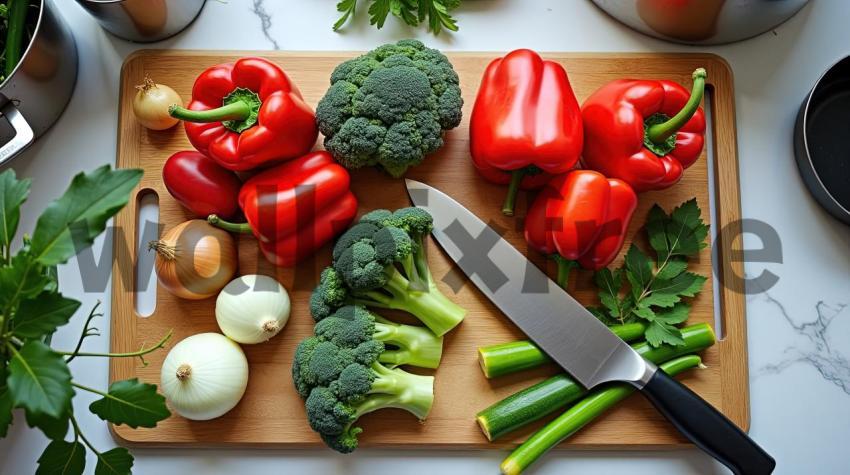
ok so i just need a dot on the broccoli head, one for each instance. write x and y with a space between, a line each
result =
319 362
389 107
381 262
361 389
354 325
340 374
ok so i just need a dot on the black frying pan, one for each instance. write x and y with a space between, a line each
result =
822 140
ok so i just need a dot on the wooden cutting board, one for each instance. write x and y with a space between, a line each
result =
271 413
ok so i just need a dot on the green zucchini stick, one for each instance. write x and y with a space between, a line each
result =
550 395
578 416
507 358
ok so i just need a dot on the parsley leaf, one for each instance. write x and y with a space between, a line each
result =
347 8
435 13
655 290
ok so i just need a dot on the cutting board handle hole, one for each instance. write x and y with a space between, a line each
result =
713 199
147 229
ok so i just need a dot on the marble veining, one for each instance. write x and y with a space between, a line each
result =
259 9
813 346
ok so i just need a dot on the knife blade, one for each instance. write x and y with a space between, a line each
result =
572 336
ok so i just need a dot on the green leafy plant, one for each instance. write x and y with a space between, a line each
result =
435 13
643 290
34 376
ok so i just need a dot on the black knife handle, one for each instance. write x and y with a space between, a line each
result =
706 427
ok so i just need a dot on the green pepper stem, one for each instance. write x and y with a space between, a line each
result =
513 188
565 266
243 228
658 133
239 110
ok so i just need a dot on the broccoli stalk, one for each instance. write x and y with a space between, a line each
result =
418 296
404 344
413 346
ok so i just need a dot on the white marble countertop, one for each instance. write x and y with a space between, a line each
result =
798 334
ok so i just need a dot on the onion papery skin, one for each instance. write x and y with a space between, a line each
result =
214 374
252 309
195 260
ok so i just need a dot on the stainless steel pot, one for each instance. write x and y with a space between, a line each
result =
33 97
143 21
702 21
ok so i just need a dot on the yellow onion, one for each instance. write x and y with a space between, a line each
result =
151 103
195 260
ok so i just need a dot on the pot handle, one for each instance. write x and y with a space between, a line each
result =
24 135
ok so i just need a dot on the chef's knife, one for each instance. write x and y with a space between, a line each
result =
572 336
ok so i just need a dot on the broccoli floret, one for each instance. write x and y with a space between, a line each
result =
382 262
390 107
353 325
361 389
330 294
319 362
339 372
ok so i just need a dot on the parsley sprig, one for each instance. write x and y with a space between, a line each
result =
436 13
643 290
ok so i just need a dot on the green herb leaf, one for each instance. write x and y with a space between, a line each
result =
378 11
346 7
133 403
42 315
603 315
62 458
54 428
21 279
117 461
638 271
13 193
660 299
656 231
673 267
644 312
686 231
686 284
71 223
6 402
658 333
39 380
609 284
675 315
405 10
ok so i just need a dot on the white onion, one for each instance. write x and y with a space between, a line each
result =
204 376
252 308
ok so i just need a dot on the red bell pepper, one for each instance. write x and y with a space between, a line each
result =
247 114
295 208
644 132
525 121
580 216
201 185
